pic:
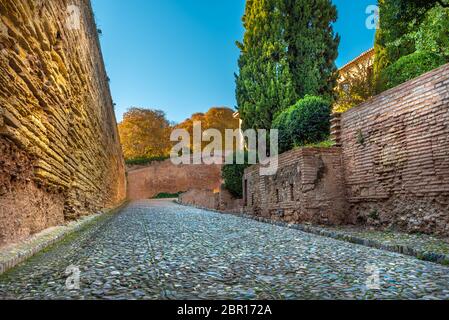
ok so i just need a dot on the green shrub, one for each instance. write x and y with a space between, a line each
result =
164 195
409 67
144 161
322 144
232 175
306 122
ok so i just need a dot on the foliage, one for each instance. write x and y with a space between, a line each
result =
304 123
232 175
218 118
423 27
360 137
144 133
322 144
358 87
374 214
395 39
164 195
264 84
433 35
312 45
409 67
289 51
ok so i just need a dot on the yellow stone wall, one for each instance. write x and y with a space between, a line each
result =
56 116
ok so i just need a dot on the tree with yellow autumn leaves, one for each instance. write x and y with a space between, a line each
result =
145 133
219 118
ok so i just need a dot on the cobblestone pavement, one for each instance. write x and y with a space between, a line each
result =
160 250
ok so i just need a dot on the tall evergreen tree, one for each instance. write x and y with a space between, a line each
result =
264 84
312 45
288 52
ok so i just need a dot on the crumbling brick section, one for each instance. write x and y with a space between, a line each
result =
307 188
396 155
60 153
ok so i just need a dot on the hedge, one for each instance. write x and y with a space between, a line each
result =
306 122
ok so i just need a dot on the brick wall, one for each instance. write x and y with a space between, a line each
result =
306 188
147 182
221 200
390 169
60 156
396 155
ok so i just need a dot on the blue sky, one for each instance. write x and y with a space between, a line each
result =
180 55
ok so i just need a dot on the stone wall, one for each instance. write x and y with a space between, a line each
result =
227 202
209 199
165 177
60 156
306 188
396 154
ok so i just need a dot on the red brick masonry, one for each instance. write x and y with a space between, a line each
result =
396 155
392 169
306 188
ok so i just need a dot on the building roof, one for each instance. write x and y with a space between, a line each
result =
365 55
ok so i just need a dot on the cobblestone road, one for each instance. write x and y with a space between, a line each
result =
159 250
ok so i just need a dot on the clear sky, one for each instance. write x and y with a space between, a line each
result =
180 55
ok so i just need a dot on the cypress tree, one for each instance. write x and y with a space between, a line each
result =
288 52
312 45
264 84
